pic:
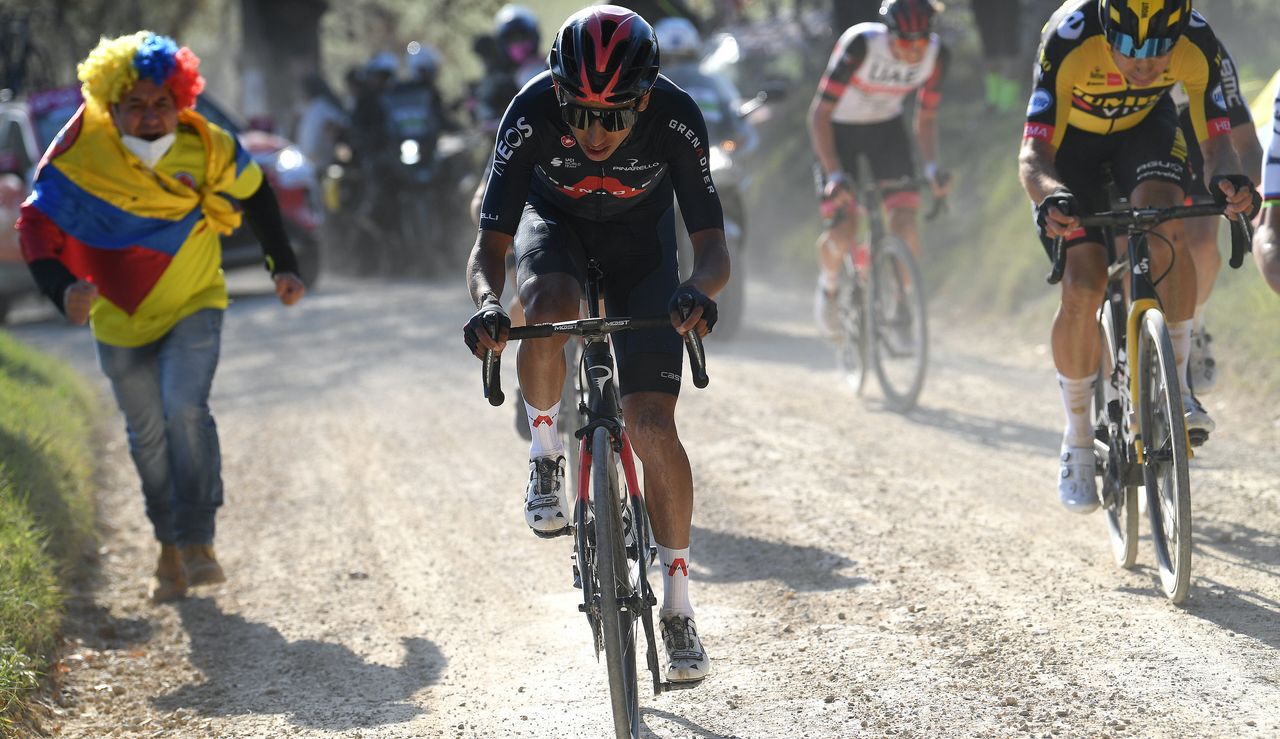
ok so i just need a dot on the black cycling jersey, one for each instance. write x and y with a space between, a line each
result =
536 155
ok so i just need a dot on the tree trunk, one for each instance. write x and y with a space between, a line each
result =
281 47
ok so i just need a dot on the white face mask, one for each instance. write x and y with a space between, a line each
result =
150 152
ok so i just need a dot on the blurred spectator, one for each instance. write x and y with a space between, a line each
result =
655 10
999 30
321 122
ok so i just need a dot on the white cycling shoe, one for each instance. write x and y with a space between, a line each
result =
1199 424
1077 481
686 659
544 500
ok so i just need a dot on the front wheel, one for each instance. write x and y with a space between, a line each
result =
617 620
899 335
1164 469
851 342
1119 499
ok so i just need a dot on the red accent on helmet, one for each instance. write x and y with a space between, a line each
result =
605 54
908 18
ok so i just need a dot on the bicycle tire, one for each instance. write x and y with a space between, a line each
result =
1164 469
617 623
899 345
1119 500
851 349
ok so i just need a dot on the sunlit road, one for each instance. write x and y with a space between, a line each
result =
856 572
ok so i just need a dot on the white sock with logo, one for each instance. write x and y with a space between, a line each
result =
1076 398
675 581
546 435
1180 335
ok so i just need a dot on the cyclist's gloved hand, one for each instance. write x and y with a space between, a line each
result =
1244 197
837 184
476 327
1064 222
695 299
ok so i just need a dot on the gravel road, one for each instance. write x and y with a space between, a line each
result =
856 572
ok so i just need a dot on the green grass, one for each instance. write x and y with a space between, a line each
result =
46 514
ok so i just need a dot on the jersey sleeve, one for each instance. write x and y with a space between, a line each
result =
690 166
848 55
1237 107
1050 103
931 92
1271 170
1201 73
510 169
248 174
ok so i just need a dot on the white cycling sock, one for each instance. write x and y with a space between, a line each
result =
1199 319
675 580
1180 334
546 435
1076 397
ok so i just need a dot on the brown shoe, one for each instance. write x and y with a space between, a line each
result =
201 565
170 582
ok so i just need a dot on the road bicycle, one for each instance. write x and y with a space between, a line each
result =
1140 434
612 543
881 306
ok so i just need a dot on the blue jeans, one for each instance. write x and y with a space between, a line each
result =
163 390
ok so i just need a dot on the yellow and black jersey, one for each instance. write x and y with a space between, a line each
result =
1078 85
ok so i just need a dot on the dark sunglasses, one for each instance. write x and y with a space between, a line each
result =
612 119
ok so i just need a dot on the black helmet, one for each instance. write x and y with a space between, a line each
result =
910 19
604 54
1141 29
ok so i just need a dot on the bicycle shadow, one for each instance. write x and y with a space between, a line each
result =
687 729
993 431
731 558
252 669
1239 545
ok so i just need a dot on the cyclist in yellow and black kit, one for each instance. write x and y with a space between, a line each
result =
1101 98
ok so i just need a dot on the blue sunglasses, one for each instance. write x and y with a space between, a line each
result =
1128 46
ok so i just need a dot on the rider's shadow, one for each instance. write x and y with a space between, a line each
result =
729 558
252 668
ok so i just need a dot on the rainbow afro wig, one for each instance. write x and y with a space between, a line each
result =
115 65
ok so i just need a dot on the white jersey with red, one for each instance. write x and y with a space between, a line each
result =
868 84
1271 169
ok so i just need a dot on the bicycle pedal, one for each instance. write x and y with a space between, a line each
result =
553 534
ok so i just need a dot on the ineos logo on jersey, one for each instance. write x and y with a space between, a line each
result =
508 141
1072 27
1041 100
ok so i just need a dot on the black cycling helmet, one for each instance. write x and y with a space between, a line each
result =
908 19
604 54
1141 29
515 22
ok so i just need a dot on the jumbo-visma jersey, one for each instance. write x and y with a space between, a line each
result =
1078 84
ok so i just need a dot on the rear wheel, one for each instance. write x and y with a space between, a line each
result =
1164 469
617 621
1119 500
899 333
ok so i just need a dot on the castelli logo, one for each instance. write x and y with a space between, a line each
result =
567 141
186 179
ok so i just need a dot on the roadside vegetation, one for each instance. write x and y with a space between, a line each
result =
46 511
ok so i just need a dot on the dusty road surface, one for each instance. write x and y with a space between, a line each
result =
857 572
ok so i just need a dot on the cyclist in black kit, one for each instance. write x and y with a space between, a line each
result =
585 164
